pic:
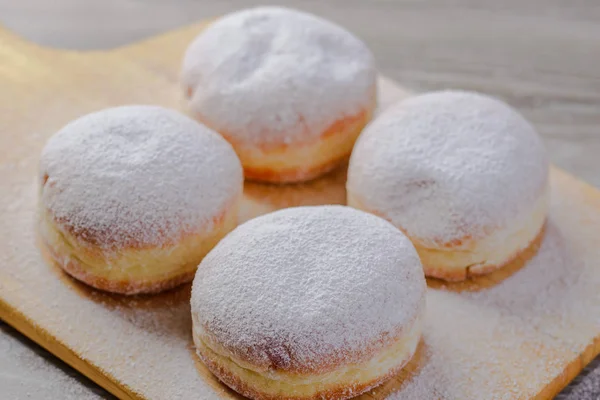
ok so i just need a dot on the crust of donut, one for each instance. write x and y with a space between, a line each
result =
128 287
438 263
294 175
132 270
247 390
475 271
257 386
298 162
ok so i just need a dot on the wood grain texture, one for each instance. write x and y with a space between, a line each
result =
504 335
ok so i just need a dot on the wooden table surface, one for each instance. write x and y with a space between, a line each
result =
542 56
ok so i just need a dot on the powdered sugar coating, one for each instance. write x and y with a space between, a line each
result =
272 75
137 175
447 166
307 286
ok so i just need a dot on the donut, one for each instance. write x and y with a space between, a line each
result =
290 91
132 198
463 175
320 302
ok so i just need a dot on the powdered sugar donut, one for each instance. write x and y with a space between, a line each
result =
465 176
290 91
132 198
308 303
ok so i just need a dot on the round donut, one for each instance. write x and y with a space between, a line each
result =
318 302
290 91
133 197
464 175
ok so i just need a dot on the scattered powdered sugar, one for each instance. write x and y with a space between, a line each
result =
26 373
272 75
315 283
558 291
142 175
471 352
509 340
485 345
447 165
488 344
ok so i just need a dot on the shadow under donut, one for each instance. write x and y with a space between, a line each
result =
163 313
263 198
